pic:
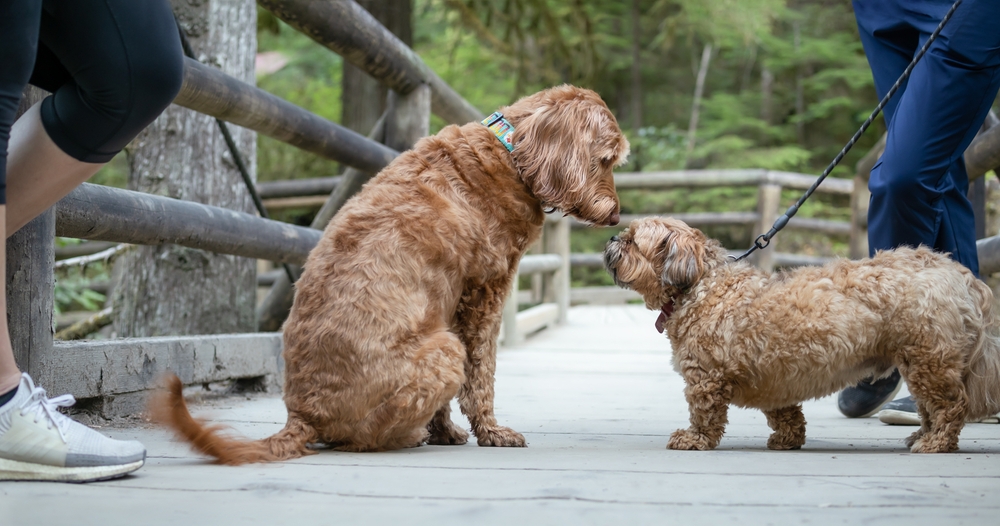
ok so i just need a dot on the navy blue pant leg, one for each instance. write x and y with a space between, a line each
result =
919 185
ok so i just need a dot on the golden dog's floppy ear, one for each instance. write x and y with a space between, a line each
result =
683 259
554 144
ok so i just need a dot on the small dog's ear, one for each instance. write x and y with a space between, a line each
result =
683 260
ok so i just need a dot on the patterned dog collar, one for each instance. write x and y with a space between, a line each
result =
502 128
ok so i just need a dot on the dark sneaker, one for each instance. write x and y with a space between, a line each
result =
903 412
866 398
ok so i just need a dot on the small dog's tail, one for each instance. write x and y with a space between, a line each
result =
982 372
168 409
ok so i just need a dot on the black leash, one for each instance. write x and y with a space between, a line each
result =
764 240
237 157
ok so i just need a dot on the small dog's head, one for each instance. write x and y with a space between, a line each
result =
566 144
660 258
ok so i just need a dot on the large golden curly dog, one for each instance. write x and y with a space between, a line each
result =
399 307
755 339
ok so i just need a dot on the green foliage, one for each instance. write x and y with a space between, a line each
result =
311 79
72 286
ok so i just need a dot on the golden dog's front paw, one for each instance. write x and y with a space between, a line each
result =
451 435
689 440
501 437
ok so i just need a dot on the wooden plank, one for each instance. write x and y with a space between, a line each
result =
534 263
298 187
30 281
536 318
285 203
989 255
110 214
82 249
346 28
665 180
88 369
212 92
695 219
983 154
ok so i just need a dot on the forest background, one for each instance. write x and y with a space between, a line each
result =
776 84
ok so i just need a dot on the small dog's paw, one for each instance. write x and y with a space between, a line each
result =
923 445
912 439
688 440
785 442
501 437
452 435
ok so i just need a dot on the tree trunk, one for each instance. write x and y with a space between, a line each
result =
636 67
800 99
171 290
699 89
363 99
766 95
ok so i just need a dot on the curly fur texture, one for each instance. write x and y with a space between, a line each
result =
750 338
398 309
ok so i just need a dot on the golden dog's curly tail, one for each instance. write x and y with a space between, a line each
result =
982 372
168 409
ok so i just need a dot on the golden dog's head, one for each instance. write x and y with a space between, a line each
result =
661 258
566 144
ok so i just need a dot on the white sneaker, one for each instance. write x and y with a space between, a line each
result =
37 442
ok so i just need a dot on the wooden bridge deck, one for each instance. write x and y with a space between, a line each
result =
596 399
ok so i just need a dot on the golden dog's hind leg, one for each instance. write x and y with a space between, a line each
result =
789 427
708 401
431 375
444 432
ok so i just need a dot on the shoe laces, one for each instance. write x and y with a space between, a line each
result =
40 406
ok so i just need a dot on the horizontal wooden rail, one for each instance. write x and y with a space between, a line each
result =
739 177
298 187
535 263
989 255
346 28
983 154
88 369
111 214
212 92
703 219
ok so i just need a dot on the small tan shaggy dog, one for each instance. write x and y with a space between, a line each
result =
754 339
399 307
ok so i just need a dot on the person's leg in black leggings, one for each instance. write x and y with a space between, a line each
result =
112 65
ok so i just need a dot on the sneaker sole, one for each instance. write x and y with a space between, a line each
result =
898 418
27 471
905 418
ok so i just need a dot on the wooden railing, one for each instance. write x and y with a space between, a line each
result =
115 373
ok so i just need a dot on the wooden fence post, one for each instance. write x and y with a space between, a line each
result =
511 336
30 282
557 283
768 203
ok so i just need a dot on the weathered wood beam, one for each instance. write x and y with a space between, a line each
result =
298 187
110 214
212 92
736 177
346 28
983 154
88 369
